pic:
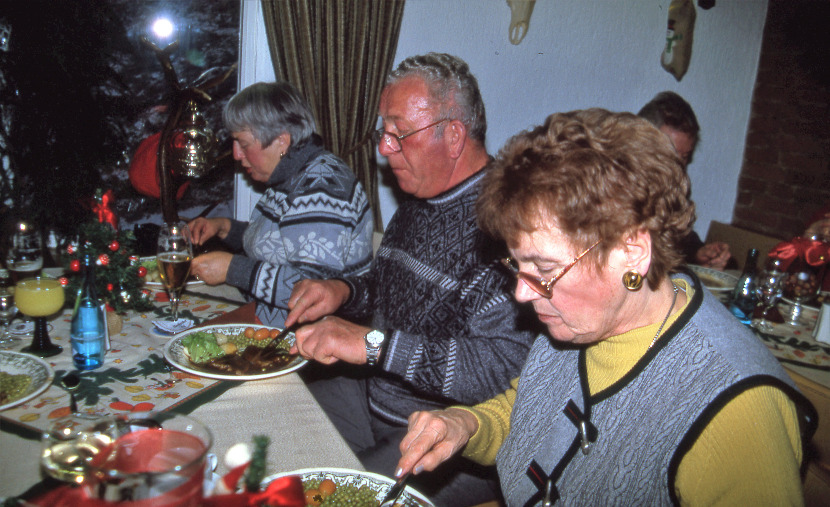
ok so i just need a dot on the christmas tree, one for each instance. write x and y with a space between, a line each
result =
119 277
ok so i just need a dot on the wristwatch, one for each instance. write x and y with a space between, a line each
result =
373 339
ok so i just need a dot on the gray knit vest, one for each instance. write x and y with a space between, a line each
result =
645 422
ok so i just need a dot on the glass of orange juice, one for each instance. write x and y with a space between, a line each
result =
40 297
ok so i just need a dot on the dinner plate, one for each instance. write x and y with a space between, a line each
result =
174 353
345 476
151 265
714 280
18 363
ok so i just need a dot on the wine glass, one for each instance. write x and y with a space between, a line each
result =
71 443
769 288
801 285
40 297
7 313
175 251
25 255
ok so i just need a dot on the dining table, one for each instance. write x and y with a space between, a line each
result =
136 377
807 361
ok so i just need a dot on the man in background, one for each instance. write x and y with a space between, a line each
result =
670 113
445 328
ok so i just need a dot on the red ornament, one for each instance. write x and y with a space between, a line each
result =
103 260
71 248
101 206
143 173
75 265
114 245
64 281
109 287
142 271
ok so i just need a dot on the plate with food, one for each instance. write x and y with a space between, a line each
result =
22 377
153 277
342 486
232 352
714 280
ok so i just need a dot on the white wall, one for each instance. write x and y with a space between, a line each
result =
254 66
586 53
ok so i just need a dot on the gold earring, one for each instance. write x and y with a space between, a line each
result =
632 280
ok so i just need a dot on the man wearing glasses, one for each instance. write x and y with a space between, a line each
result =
444 328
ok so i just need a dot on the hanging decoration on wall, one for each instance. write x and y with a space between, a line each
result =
520 11
679 35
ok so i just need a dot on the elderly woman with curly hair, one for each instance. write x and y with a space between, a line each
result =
312 221
646 391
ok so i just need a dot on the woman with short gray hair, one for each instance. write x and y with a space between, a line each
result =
312 221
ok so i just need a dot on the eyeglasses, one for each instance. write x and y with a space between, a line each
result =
393 142
539 285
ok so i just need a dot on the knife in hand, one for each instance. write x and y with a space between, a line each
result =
395 491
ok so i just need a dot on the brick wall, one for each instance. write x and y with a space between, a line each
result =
785 176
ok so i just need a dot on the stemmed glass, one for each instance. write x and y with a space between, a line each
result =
7 313
25 254
71 443
769 288
174 254
801 285
40 297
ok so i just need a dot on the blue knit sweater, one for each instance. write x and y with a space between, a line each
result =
313 221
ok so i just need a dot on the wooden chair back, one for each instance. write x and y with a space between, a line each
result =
740 241
817 478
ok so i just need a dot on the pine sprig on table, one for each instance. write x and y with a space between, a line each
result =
118 279
256 469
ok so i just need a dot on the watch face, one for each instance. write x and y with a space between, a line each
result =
375 338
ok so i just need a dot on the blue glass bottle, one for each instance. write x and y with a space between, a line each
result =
88 330
744 298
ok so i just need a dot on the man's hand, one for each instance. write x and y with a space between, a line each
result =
433 437
202 229
314 299
713 255
211 267
330 340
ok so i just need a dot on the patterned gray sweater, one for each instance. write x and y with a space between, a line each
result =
313 221
454 332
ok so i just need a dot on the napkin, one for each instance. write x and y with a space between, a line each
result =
821 332
173 327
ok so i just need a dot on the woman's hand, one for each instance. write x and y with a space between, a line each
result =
433 437
202 229
314 299
211 267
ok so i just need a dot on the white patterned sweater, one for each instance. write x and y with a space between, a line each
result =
313 221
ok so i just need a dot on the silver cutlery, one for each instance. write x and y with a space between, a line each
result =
395 491
71 381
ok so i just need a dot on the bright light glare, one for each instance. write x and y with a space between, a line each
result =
163 28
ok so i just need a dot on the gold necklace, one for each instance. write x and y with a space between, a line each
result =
660 329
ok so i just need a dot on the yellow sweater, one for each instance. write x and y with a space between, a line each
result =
748 455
